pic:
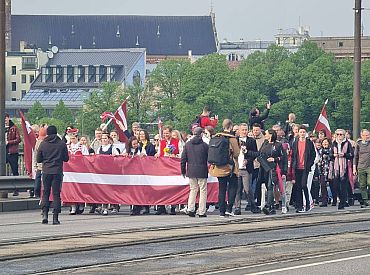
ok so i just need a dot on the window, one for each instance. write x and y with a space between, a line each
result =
14 70
102 73
29 63
24 78
136 78
92 74
14 99
32 78
59 73
81 74
14 86
70 74
23 93
340 44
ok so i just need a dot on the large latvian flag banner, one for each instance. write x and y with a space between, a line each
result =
131 181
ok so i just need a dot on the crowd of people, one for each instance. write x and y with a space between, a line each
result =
284 167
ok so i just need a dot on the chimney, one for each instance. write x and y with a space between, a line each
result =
22 46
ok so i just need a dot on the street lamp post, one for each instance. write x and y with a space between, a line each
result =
357 71
2 88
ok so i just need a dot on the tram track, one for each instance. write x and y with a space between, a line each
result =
235 220
70 244
214 270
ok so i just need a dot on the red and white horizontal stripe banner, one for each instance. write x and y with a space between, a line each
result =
122 180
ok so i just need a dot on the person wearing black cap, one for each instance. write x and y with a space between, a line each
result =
52 153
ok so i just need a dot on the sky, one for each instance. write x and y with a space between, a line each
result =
235 19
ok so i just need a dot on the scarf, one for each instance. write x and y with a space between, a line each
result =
340 164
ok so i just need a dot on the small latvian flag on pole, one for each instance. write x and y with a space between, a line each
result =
322 122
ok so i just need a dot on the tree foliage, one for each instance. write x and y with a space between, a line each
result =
36 112
62 113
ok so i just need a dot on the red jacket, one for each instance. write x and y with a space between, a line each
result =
163 144
206 121
13 137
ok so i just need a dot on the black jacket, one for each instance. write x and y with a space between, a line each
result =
309 155
259 119
52 152
194 159
252 152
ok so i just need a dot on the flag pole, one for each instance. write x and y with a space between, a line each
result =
109 122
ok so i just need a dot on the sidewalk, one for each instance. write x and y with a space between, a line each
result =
18 203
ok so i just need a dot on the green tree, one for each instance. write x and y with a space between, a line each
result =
60 124
36 112
167 80
62 113
205 83
108 99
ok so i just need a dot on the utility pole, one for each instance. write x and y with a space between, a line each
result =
2 88
357 72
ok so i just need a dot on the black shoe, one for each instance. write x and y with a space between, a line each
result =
272 211
341 207
92 209
277 206
237 211
45 217
146 211
324 205
191 214
256 210
161 212
247 207
55 219
202 216
173 211
346 204
265 210
334 204
15 193
351 202
79 210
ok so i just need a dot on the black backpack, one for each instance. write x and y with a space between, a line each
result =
219 150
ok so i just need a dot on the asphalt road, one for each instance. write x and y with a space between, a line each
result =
282 247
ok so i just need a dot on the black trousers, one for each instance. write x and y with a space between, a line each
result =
229 184
52 181
301 182
342 184
12 159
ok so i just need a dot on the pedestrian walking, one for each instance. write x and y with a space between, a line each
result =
194 166
52 153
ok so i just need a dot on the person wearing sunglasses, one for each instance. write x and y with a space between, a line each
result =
342 155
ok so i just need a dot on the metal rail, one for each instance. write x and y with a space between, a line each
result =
10 183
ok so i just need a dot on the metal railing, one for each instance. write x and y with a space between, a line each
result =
21 166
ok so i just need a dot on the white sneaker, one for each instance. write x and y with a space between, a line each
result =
230 214
284 210
105 212
73 210
184 210
114 211
211 208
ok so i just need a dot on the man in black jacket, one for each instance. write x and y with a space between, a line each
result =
194 165
248 152
303 157
256 117
52 153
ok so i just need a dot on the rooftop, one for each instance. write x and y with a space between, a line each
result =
160 35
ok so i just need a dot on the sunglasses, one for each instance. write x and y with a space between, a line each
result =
156 139
340 134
